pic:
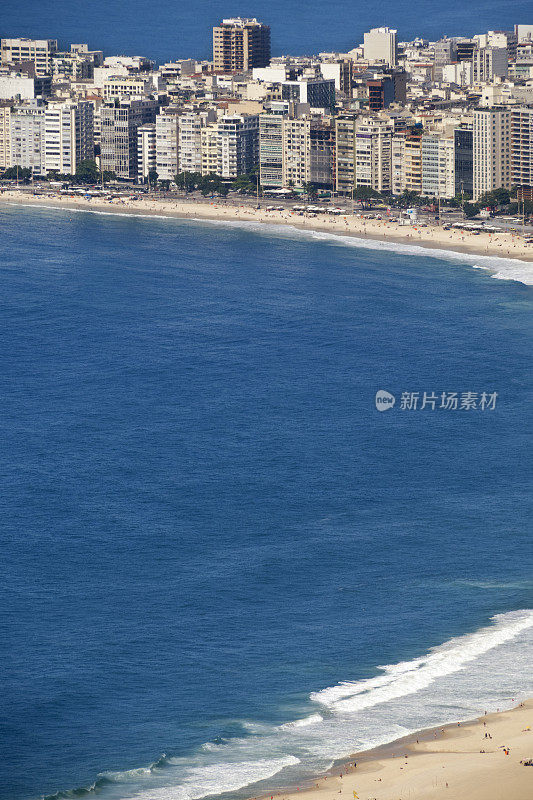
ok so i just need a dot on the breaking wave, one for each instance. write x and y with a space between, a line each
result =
454 681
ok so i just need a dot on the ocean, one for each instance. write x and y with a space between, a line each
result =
223 568
168 31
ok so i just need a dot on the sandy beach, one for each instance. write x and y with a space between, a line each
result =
480 760
503 245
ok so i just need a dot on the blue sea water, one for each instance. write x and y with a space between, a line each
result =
166 31
211 539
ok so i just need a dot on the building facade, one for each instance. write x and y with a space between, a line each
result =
380 45
240 45
167 144
68 136
146 157
438 166
464 162
522 147
120 121
27 136
492 149
271 150
38 51
238 137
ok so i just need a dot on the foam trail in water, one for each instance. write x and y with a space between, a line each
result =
454 681
219 778
411 676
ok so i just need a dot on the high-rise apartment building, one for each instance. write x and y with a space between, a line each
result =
464 161
167 144
406 152
271 149
145 151
190 129
5 134
438 165
318 92
373 152
364 153
20 51
296 152
72 66
380 45
522 147
492 149
322 156
240 45
489 63
120 121
27 136
238 137
345 152
210 150
68 136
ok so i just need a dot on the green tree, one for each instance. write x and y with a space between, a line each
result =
365 195
87 171
471 210
310 189
152 177
498 197
21 173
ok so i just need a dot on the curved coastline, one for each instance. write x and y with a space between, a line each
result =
504 255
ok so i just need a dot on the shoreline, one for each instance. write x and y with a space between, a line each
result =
475 767
508 247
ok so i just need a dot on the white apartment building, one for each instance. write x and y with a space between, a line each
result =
438 166
167 145
296 152
27 136
489 63
117 87
380 45
492 149
271 150
190 139
40 51
459 73
373 154
17 85
398 181
210 150
5 135
68 136
238 137
146 158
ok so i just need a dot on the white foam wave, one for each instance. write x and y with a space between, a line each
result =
312 719
503 268
409 677
219 778
127 774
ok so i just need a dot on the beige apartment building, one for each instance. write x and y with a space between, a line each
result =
296 142
240 44
5 137
522 147
209 142
492 149
20 51
135 87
